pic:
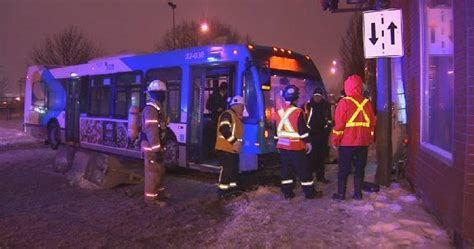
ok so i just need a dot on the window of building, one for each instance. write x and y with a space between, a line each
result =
172 77
437 76
100 96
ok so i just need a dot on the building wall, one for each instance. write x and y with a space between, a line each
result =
468 133
447 189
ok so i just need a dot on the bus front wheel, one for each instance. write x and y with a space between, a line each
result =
54 137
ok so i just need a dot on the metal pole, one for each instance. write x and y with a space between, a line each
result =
173 7
384 122
174 30
384 116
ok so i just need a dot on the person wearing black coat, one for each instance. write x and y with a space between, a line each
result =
319 121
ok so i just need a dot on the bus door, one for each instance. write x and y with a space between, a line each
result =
202 122
73 107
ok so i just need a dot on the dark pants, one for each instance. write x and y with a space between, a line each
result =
295 163
229 176
349 155
318 154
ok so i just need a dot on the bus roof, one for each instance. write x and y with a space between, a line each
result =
278 59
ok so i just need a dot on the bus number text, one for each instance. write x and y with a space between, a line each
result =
194 55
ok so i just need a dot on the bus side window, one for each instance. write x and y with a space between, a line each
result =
250 97
127 93
39 96
100 96
172 77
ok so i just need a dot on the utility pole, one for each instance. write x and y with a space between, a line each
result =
384 115
173 7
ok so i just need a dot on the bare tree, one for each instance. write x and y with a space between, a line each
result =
67 47
188 34
352 54
3 86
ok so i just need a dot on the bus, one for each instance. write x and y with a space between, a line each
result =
87 105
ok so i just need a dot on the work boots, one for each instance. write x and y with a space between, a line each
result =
341 191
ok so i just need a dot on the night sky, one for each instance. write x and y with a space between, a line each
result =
135 25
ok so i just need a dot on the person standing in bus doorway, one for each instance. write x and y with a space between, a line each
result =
353 132
293 144
216 104
229 145
153 130
319 122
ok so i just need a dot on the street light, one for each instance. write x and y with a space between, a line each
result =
173 7
204 27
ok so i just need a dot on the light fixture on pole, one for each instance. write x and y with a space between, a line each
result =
204 27
173 7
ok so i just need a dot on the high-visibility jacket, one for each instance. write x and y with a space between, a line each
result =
354 118
229 131
291 130
153 127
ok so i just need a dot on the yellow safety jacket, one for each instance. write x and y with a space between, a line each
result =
234 123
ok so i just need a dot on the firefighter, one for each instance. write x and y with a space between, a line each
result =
353 132
229 145
293 144
319 121
153 131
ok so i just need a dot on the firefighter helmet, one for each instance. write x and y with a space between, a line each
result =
156 85
291 93
236 100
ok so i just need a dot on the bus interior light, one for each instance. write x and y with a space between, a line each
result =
265 87
289 51
275 49
307 57
282 50
250 46
266 134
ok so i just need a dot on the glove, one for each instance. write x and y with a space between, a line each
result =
237 146
309 148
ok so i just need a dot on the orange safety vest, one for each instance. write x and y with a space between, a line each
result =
236 127
287 129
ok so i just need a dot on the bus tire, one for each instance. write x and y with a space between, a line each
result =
54 135
171 149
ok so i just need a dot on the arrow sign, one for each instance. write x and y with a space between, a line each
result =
374 38
392 28
382 33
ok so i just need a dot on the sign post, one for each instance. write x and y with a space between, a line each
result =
382 40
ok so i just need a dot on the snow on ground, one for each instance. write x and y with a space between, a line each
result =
11 135
392 218
40 209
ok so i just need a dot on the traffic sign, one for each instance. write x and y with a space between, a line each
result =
383 33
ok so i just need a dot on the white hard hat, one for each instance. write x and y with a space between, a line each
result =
156 85
236 100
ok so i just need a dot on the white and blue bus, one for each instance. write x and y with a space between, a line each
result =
88 105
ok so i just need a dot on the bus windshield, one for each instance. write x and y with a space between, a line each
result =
274 99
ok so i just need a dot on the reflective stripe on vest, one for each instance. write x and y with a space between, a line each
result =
289 132
154 105
310 113
232 125
360 109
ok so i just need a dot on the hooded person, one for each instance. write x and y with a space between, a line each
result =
353 132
